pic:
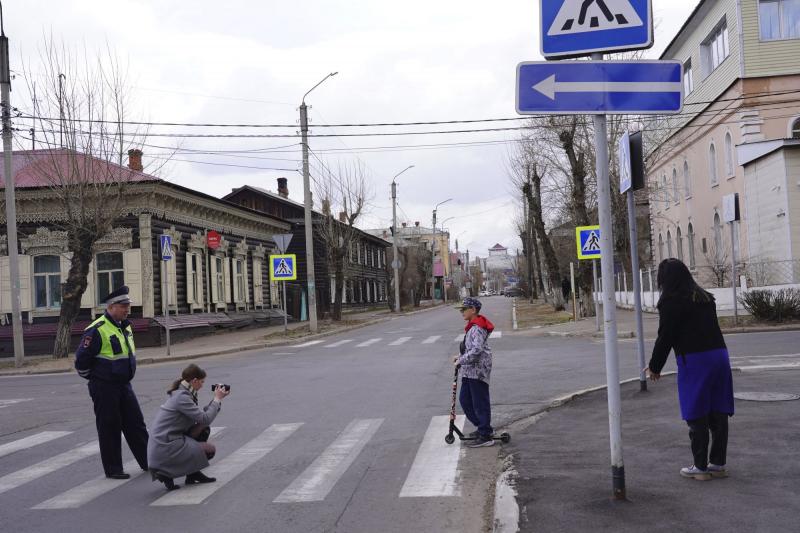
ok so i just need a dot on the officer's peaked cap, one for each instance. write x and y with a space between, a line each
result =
119 296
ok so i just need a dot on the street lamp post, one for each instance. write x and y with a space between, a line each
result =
448 268
433 251
395 252
312 288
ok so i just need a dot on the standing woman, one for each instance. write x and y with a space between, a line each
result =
688 324
178 444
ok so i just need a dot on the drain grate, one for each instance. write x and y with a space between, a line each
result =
766 396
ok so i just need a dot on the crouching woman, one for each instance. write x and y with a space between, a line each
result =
178 444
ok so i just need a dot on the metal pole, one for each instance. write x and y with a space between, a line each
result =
594 295
166 300
733 275
572 286
395 252
609 304
636 274
285 312
312 289
11 206
433 261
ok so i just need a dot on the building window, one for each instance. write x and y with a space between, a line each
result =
795 130
47 281
729 154
712 165
687 179
690 238
665 188
239 277
779 19
220 279
688 82
679 240
110 274
669 244
661 247
715 48
675 196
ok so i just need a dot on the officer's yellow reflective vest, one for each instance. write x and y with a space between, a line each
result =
114 345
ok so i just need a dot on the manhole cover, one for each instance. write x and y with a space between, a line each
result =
766 396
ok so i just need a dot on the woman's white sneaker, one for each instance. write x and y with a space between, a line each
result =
693 472
717 470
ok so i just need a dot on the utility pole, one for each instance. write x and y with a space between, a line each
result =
395 235
11 206
312 286
433 251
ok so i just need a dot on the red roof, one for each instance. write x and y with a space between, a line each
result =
59 167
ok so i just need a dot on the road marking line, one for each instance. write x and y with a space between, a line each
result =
768 367
496 334
231 466
339 343
94 488
20 477
459 338
431 340
305 344
314 484
31 441
765 356
367 343
6 403
401 340
434 472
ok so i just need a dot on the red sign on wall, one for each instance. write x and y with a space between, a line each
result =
213 239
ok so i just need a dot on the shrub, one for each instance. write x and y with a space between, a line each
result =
772 306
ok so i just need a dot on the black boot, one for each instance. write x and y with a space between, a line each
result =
199 477
168 482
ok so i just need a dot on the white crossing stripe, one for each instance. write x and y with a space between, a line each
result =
319 478
496 335
431 340
20 477
435 468
31 441
231 466
369 342
305 344
6 403
459 338
94 488
401 340
339 343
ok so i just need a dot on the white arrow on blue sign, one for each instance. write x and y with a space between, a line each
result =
579 27
599 87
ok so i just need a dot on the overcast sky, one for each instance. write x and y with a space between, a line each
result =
251 61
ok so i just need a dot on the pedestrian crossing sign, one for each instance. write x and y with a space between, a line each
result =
283 267
587 239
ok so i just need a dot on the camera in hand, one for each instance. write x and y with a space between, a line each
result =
226 387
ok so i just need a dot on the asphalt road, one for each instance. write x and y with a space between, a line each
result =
345 434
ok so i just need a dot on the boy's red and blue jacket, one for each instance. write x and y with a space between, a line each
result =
476 359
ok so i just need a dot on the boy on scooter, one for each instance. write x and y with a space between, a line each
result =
476 366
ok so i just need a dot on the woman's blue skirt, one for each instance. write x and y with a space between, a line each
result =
705 383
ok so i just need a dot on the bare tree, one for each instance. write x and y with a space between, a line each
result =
347 195
79 114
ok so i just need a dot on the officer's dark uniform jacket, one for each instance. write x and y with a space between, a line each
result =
106 351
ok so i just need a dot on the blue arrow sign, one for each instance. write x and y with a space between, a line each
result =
599 87
579 27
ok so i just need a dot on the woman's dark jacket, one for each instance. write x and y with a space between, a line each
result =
688 324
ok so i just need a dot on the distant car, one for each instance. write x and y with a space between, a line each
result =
514 292
484 293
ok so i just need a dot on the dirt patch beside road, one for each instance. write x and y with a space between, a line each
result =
539 313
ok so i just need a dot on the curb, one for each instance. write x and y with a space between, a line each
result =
225 351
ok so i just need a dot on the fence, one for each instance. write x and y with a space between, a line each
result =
768 275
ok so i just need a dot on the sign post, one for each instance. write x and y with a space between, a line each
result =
631 177
282 268
730 212
166 256
587 239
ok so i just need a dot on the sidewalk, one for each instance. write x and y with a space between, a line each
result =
563 469
221 343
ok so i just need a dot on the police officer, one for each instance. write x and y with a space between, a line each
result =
106 358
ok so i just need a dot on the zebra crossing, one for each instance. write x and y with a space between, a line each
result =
400 341
435 471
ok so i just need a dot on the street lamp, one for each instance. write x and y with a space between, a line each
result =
312 289
395 253
448 269
433 251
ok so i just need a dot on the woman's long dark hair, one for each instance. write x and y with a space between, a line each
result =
189 373
675 280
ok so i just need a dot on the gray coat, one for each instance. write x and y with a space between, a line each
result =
169 450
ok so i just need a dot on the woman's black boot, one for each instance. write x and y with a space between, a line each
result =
199 477
167 481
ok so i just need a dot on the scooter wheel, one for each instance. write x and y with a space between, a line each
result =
505 437
449 439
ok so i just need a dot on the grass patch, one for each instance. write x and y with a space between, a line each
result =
539 313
